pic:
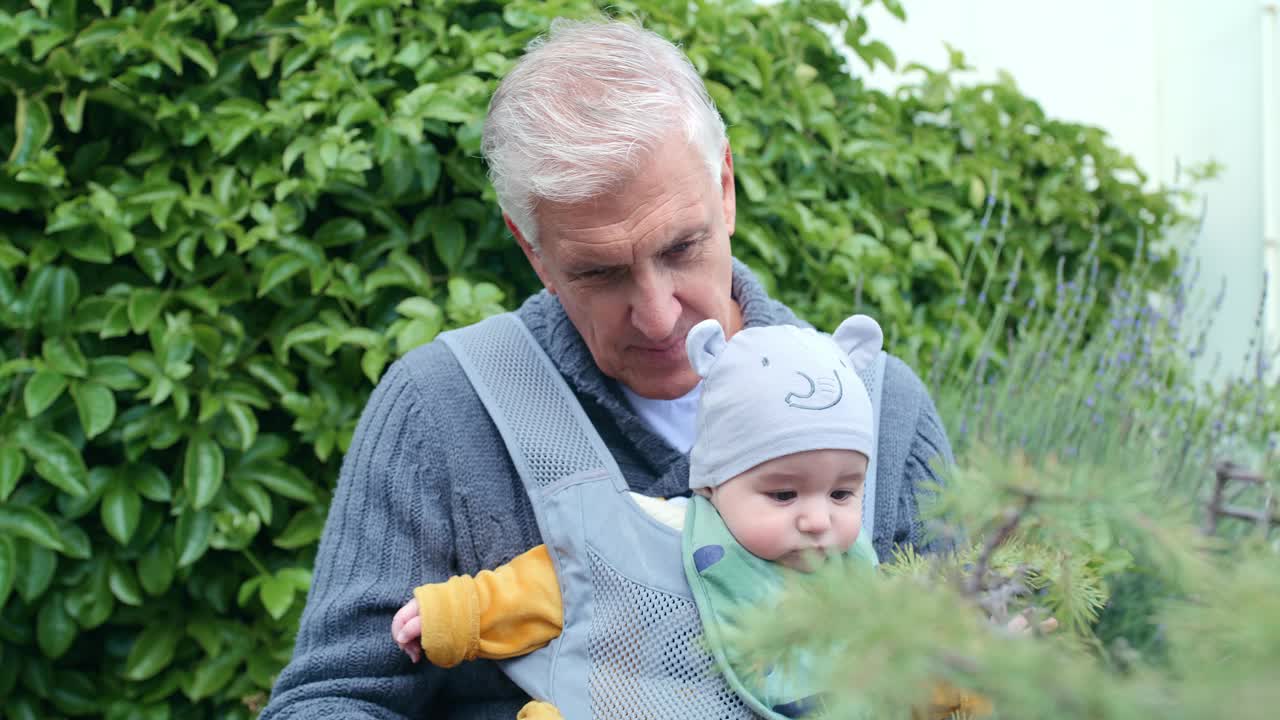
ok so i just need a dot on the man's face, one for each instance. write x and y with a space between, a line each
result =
636 269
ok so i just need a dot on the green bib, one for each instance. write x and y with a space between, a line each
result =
725 578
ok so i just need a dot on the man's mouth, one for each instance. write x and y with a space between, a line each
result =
665 347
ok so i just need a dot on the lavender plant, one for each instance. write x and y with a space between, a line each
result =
1099 480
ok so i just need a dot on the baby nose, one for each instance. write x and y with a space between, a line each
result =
814 521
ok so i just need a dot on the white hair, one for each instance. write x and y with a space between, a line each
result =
583 107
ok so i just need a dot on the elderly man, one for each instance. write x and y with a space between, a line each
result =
615 176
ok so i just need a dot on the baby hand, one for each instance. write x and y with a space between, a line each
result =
406 630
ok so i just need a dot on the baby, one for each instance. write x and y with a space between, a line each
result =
785 431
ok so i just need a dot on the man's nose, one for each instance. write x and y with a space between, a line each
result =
654 307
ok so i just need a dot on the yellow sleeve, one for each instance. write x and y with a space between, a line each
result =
534 710
948 701
501 613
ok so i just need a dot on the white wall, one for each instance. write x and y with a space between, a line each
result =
1173 82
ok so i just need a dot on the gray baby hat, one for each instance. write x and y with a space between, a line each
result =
777 390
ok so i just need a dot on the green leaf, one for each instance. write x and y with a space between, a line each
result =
121 509
198 53
152 651
55 629
212 675
166 50
37 565
374 360
191 535
151 259
450 242
73 110
304 333
31 129
415 333
74 508
272 375
63 355
62 294
299 577
114 372
124 585
42 390
342 231
876 50
58 462
8 568
75 540
304 528
91 602
96 405
293 61
447 108
150 482
156 569
278 270
258 499
74 693
202 470
246 423
248 589
283 480
145 305
12 464
32 524
277 596
420 308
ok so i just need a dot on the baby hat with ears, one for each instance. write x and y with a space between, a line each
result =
777 390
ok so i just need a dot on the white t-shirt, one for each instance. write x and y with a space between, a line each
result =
673 420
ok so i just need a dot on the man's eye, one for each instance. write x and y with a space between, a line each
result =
783 495
679 249
592 274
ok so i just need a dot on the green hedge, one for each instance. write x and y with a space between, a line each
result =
223 220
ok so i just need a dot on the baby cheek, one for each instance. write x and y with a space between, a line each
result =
847 529
761 537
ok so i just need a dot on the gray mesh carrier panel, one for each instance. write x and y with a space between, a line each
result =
873 378
631 644
633 677
542 423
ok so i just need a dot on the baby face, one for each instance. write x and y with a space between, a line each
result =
792 509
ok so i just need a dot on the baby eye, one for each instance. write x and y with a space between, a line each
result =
842 495
782 495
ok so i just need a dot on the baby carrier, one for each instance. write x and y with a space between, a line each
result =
631 647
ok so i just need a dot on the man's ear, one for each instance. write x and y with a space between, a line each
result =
534 257
728 192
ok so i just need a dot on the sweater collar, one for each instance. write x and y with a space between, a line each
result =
550 326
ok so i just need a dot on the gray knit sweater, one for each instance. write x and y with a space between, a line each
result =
427 491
